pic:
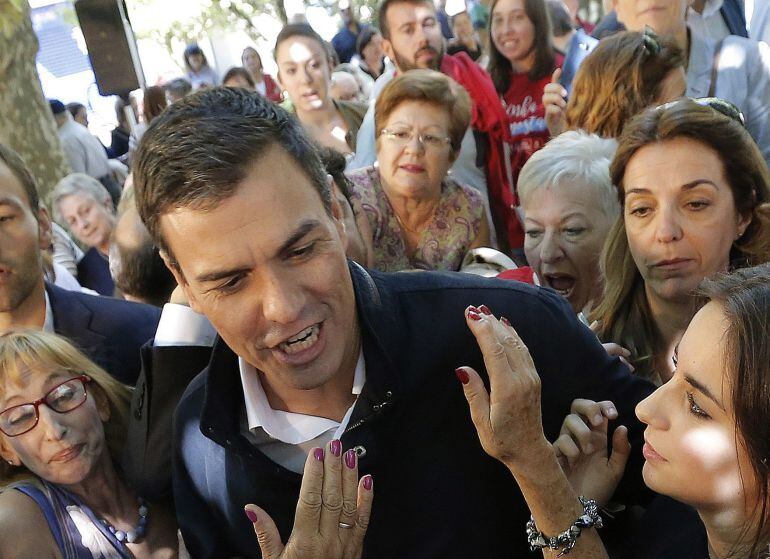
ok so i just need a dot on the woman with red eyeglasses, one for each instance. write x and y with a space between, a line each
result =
62 428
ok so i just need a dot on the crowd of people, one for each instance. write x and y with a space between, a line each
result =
451 286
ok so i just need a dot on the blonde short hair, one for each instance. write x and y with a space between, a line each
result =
23 349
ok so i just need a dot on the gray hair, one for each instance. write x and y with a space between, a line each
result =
573 158
78 183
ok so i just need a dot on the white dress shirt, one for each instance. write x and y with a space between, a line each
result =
286 437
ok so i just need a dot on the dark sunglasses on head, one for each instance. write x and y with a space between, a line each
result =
721 106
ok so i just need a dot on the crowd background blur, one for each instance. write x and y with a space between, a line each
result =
612 156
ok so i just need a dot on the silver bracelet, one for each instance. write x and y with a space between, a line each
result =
567 539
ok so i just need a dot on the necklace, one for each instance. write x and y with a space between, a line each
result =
131 536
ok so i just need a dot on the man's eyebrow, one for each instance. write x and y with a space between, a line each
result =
303 229
703 389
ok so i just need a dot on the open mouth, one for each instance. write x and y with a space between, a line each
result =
302 341
563 284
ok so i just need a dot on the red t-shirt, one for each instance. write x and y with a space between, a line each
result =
526 117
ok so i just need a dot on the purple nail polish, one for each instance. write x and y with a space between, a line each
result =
474 316
251 515
318 453
336 447
368 482
485 309
350 459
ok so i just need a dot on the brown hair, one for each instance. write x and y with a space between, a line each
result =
624 312
238 71
426 86
382 14
22 349
744 296
621 77
499 67
20 170
198 150
154 102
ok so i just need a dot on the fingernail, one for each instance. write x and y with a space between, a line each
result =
612 411
474 316
485 309
251 515
462 375
368 482
589 448
597 419
350 459
336 447
505 321
318 453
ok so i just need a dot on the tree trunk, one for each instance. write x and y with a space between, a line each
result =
27 125
280 10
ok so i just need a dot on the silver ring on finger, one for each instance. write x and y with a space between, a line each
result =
347 526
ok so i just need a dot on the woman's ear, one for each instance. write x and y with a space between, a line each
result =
7 453
102 403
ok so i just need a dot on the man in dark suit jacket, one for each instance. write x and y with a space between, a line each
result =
109 331
313 348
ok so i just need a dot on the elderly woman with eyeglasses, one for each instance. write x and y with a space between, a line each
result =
62 429
420 218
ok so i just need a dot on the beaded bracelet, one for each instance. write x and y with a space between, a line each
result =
567 539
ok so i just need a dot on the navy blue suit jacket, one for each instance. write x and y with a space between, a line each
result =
109 331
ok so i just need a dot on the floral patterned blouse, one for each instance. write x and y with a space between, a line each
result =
443 243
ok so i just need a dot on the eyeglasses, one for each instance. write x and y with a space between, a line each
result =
715 103
62 398
402 136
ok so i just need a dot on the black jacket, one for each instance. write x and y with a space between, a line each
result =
109 331
437 494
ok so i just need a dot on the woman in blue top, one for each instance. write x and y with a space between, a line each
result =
62 429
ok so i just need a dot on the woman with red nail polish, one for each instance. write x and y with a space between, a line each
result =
322 532
706 440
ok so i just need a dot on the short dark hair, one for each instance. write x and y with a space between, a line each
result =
299 30
57 107
74 108
364 38
560 18
382 16
335 163
141 273
197 151
238 71
20 170
179 87
499 67
191 50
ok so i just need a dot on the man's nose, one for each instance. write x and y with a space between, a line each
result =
282 301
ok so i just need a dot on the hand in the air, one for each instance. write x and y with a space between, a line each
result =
555 103
332 513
